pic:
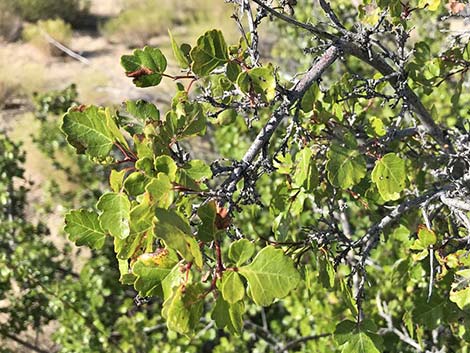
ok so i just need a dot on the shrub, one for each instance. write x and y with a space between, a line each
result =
57 29
138 22
20 76
344 190
143 19
10 24
33 10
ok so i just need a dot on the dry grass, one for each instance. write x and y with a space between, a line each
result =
57 29
140 20
21 74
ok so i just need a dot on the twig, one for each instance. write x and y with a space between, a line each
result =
427 222
402 335
23 343
66 50
312 75
294 343
352 46
455 203
370 239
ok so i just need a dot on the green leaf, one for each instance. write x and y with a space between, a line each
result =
185 120
151 269
356 338
389 176
209 53
326 271
166 165
233 70
461 298
183 310
197 170
429 313
114 129
306 173
88 131
176 233
181 53
83 228
228 315
378 126
232 287
271 275
346 166
161 190
126 276
460 293
143 110
310 97
260 80
241 251
426 238
135 183
220 313
348 296
141 228
207 229
115 214
116 179
146 66
226 117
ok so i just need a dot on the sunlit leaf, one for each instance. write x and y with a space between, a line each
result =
271 275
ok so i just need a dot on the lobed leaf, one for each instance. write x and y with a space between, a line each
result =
83 228
271 275
346 166
209 53
115 214
146 66
389 176
89 131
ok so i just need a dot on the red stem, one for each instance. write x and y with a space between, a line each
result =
126 153
218 253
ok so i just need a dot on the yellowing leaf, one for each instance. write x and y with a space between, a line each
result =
389 176
432 5
271 275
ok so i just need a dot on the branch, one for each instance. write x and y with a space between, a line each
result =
263 333
294 343
455 203
381 65
24 343
312 75
370 239
306 26
349 45
402 335
66 50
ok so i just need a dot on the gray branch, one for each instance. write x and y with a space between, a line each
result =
263 137
353 46
370 239
294 343
455 203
